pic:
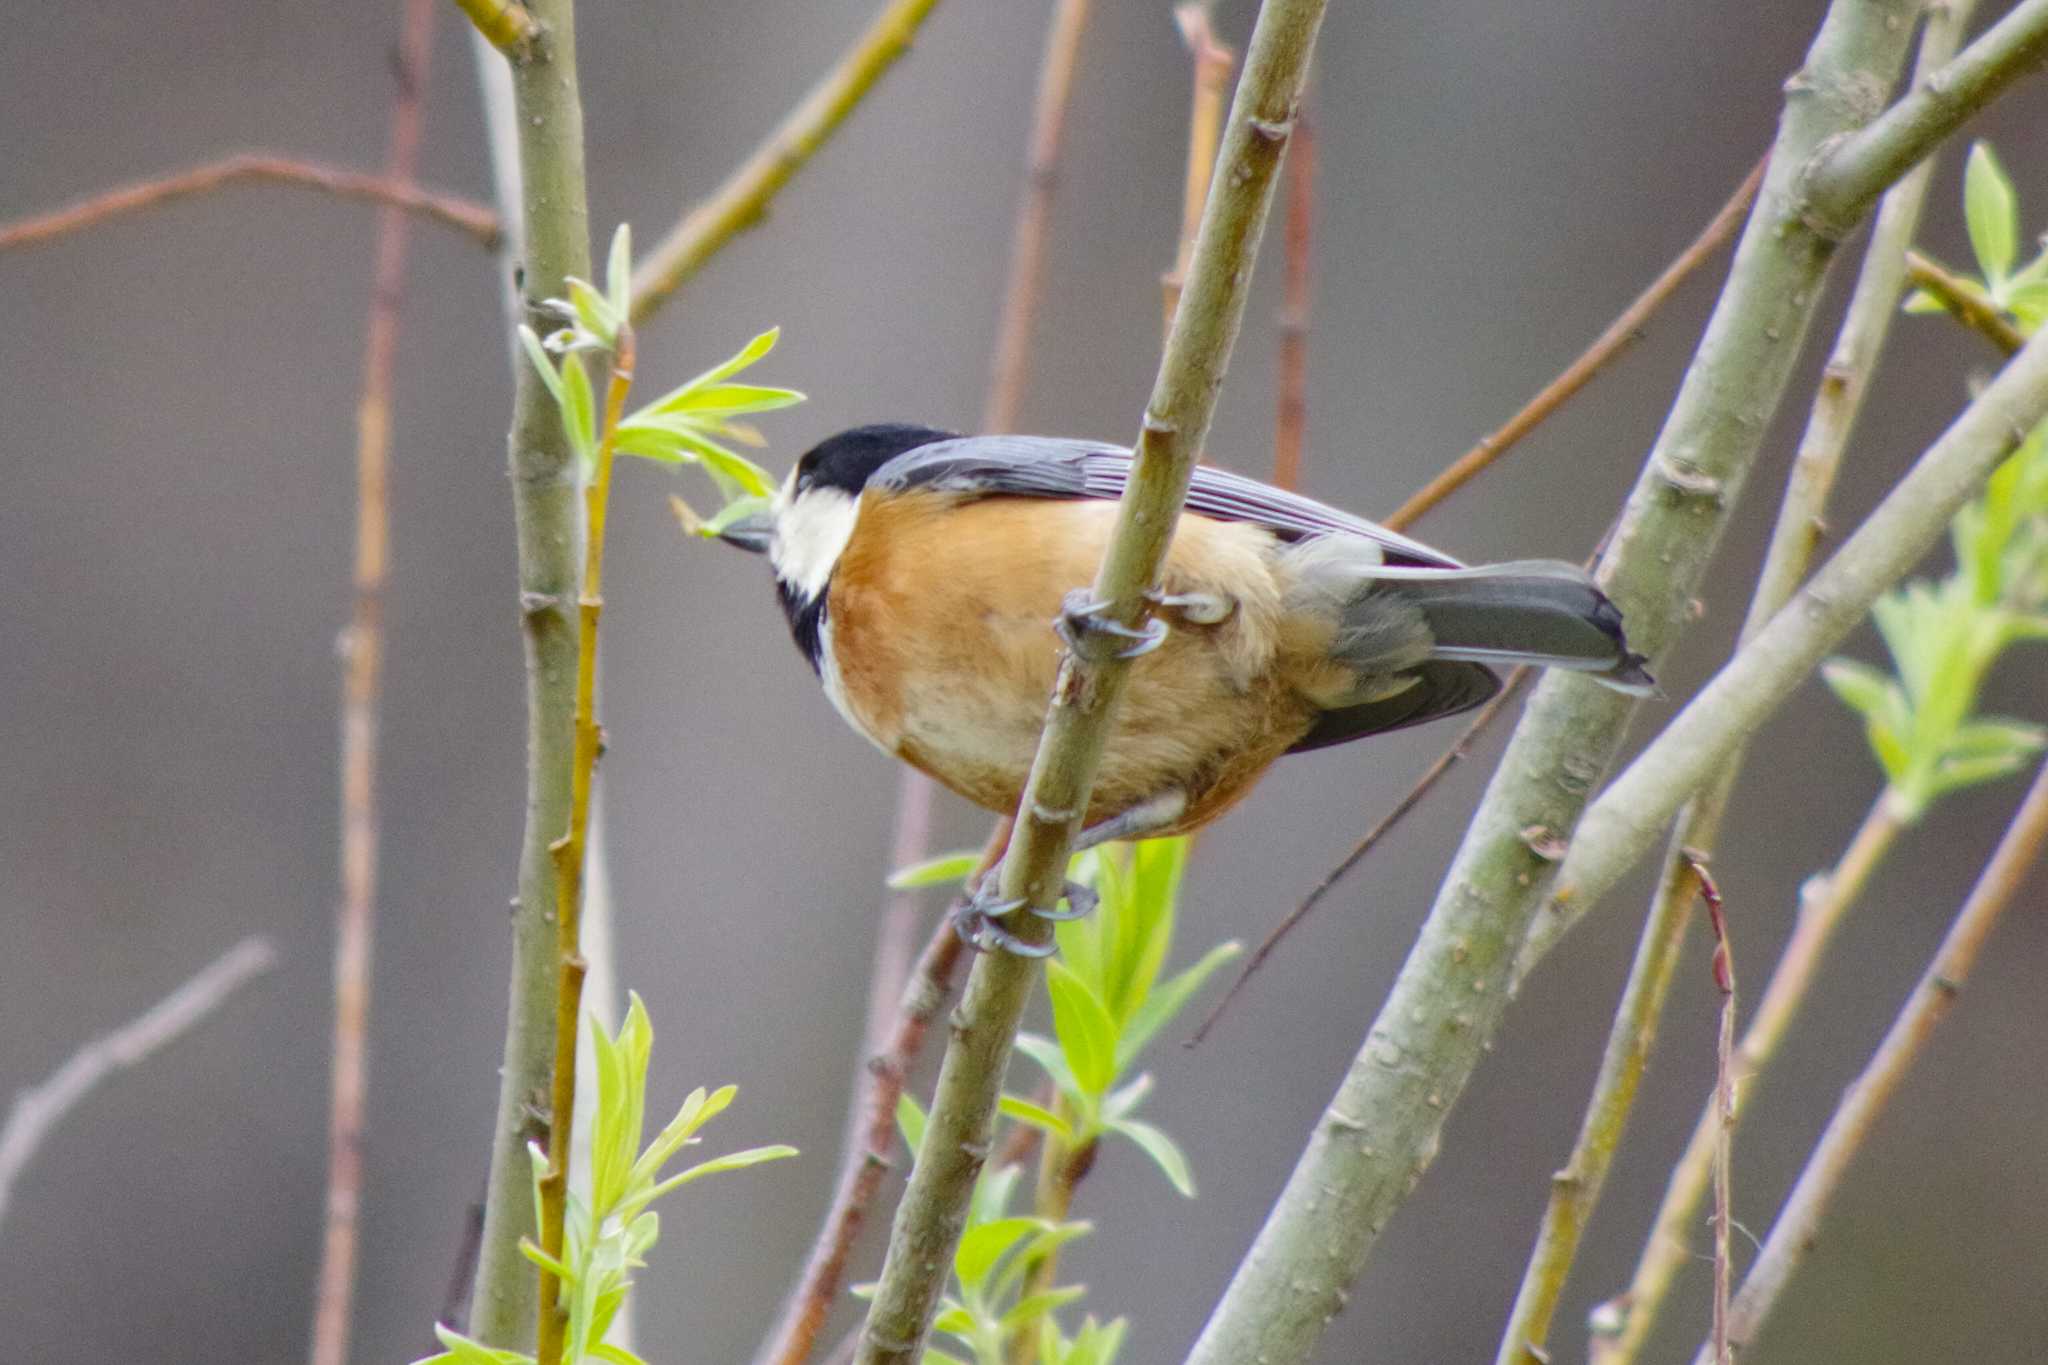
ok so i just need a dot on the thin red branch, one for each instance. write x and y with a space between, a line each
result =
362 683
464 215
1724 1104
1212 65
1619 335
1290 425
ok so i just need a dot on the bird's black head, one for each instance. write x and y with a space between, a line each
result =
847 460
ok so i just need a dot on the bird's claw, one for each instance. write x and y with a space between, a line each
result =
1090 633
977 920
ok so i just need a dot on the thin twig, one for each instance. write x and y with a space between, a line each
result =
1626 1321
1620 334
1012 359
464 215
1056 800
506 24
1633 1034
742 201
555 231
553 1187
1431 775
1723 1107
1061 1169
362 687
1965 301
39 1108
1290 418
1212 63
1797 1229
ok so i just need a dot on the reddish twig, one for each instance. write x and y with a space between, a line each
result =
1965 301
38 1109
362 683
1724 1104
1212 65
860 1176
1027 239
1290 425
1610 343
1797 1229
1431 775
464 215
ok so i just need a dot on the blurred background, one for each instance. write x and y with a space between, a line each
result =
1497 181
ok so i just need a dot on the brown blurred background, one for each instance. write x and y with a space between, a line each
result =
1498 179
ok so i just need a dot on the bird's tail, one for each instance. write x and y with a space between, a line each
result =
1534 611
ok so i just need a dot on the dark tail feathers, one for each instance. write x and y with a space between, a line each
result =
1536 611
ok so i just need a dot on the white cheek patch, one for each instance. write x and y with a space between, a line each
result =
810 532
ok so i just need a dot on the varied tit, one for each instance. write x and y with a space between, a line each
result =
929 581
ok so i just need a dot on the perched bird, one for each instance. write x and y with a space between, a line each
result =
930 580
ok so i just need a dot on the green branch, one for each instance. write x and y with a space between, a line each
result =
1176 421
1575 1190
742 201
1383 1126
555 230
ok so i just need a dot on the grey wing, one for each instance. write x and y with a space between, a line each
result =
1051 467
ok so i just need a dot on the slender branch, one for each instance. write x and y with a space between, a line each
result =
1619 336
1290 418
1384 1124
1848 175
1576 1192
1012 359
1061 1169
464 215
39 1108
1724 1114
1965 300
742 201
507 25
555 228
362 686
1625 1322
1620 826
1212 62
1797 1229
1434 773
1056 800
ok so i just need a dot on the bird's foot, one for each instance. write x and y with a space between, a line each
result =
1088 630
1196 608
978 919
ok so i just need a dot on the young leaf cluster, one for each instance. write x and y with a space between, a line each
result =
610 1233
986 1304
1944 637
1108 1002
688 425
1991 213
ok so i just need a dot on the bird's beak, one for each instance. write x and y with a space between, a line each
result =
751 532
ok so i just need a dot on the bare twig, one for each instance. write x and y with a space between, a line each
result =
742 201
1723 1106
1965 300
1797 1229
362 685
1290 419
1431 775
464 215
39 1108
1620 334
506 25
1056 799
1212 62
1027 238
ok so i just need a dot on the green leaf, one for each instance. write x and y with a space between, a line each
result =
955 1320
1086 1032
1046 1053
731 1161
1163 1150
2028 302
529 341
577 409
467 1351
720 400
734 511
1995 738
1032 1307
1167 1000
910 1122
1991 210
532 1252
1125 1099
1957 773
1920 301
747 355
614 1355
934 1356
981 1247
1024 1111
618 273
1863 688
593 311
992 1194
946 869
698 1110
